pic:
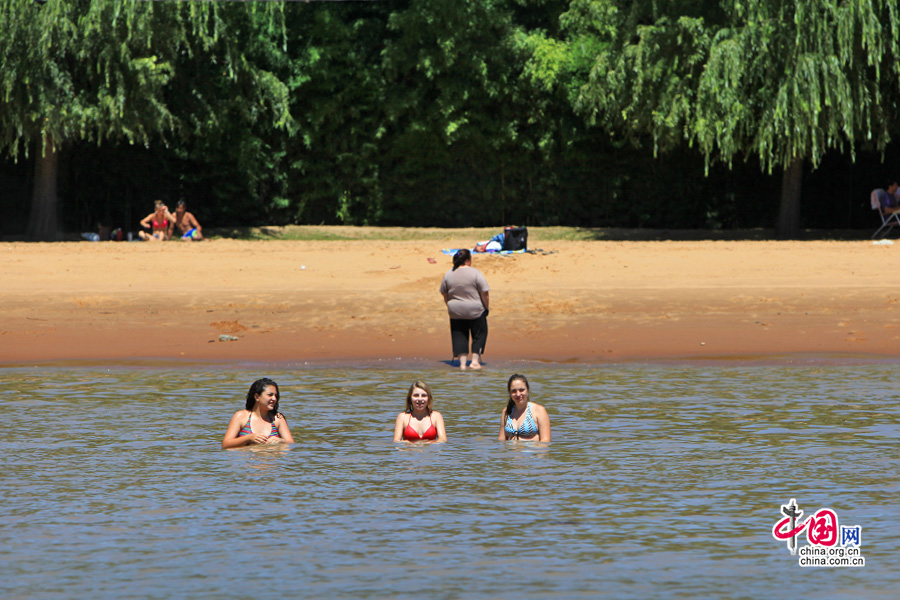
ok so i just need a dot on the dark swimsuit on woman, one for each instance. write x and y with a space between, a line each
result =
247 429
411 435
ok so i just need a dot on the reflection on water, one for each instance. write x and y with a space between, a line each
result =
662 481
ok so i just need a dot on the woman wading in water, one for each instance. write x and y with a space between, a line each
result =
419 422
522 419
466 294
260 422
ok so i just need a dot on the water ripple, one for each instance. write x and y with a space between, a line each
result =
662 481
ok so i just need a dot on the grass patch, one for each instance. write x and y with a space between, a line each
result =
535 234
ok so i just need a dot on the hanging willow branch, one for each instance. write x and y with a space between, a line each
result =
781 80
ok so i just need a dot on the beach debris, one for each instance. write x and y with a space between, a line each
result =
431 260
396 267
883 243
302 267
227 338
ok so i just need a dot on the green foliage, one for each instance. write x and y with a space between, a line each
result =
436 113
85 70
104 69
775 79
140 73
234 106
336 95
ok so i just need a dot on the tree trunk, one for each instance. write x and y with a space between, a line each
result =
42 220
788 227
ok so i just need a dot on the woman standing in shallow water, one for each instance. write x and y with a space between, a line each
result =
260 422
521 419
466 294
419 422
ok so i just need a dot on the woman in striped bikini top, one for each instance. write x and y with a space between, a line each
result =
521 419
262 411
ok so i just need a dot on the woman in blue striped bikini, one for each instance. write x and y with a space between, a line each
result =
521 419
260 422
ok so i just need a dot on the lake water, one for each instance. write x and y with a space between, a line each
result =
663 481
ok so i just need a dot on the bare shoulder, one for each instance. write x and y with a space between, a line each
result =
436 415
538 408
240 416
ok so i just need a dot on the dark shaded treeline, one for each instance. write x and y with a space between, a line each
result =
419 113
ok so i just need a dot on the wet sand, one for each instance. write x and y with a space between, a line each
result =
588 301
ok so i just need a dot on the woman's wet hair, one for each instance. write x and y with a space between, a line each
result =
460 258
424 387
258 387
510 405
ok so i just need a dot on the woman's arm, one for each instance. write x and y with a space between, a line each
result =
283 430
399 427
445 290
543 422
486 300
438 420
502 436
145 222
171 219
231 439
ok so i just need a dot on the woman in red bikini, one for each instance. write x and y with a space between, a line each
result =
260 422
158 223
419 422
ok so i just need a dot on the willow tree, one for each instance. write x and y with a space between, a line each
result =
98 70
785 81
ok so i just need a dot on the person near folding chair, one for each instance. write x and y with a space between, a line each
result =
887 203
889 198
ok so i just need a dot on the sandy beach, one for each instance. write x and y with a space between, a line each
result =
580 301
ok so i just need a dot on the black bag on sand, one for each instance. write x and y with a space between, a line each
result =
515 238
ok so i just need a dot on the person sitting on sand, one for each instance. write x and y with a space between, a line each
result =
158 222
187 224
260 422
521 419
419 422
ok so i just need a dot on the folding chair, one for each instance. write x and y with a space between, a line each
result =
888 220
